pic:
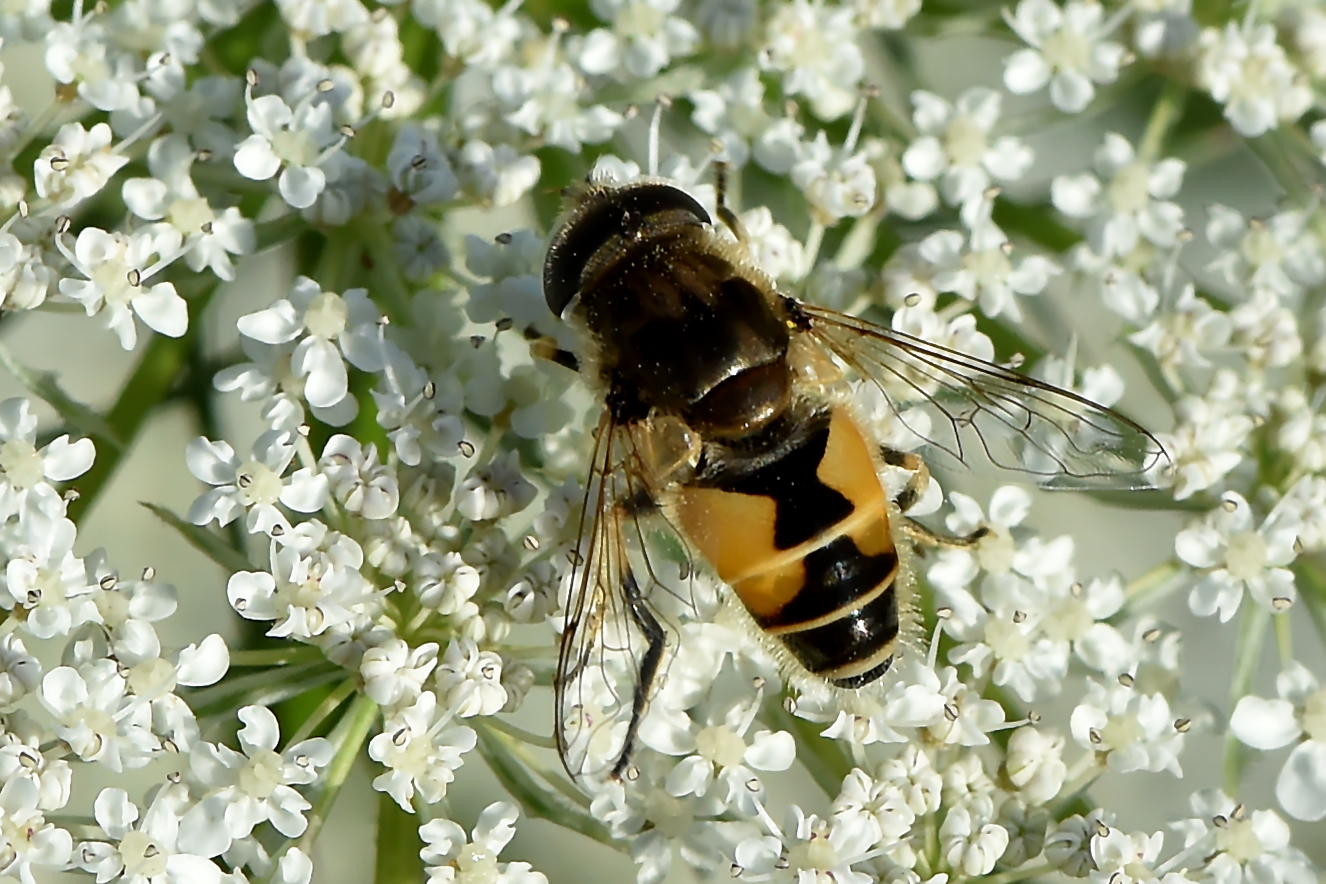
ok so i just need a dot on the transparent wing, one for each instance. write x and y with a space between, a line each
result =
975 407
614 638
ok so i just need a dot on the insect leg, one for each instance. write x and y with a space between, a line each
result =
921 534
912 492
545 347
655 639
725 212
919 481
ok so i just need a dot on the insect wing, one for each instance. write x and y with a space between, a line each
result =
613 639
975 407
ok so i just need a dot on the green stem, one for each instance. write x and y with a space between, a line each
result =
285 656
1284 642
1168 109
329 704
154 379
1312 588
263 687
348 737
1247 654
1019 874
1150 587
389 288
519 733
278 230
537 799
398 844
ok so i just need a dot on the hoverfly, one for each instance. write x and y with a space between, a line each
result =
724 415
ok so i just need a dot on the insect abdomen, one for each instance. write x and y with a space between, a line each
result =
804 542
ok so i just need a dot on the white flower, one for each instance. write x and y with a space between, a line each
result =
46 581
774 248
450 857
837 184
1178 335
471 30
83 52
1209 437
312 587
498 175
394 672
1266 331
722 754
733 112
1126 858
326 325
77 164
1068 50
242 790
954 145
1281 255
255 485
420 752
142 851
198 109
294 142
94 713
446 583
967 717
646 35
26 838
25 279
117 267
20 673
129 607
889 15
26 471
813 46
206 237
1164 28
317 18
1131 730
1305 501
1298 715
357 480
1034 763
968 846
1236 556
512 265
908 199
977 267
1068 846
1249 845
419 170
1130 199
270 379
880 801
469 681
497 489
1246 70
21 758
545 100
807 849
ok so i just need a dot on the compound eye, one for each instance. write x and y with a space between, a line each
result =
620 212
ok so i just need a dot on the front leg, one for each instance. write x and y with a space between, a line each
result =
912 492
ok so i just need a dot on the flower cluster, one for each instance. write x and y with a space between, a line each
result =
409 525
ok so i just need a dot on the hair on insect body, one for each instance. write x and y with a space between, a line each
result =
725 422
